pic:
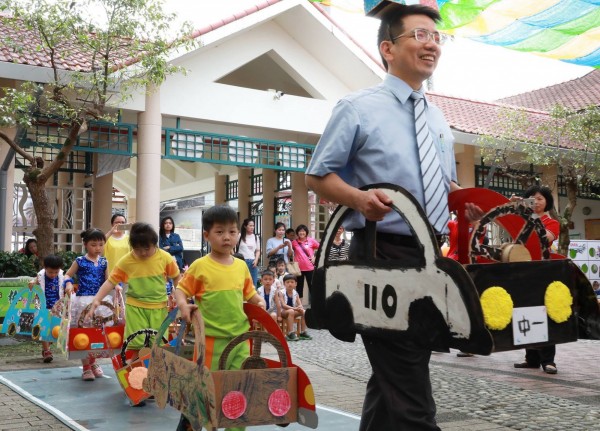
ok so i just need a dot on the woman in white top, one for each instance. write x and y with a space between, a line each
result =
249 247
278 246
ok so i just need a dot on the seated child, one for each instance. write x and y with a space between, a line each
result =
271 295
51 280
276 283
291 305
281 271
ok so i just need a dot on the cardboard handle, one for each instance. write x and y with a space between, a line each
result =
198 324
102 320
258 337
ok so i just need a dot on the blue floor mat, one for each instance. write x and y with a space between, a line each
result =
102 405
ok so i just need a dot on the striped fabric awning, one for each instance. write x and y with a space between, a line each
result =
567 30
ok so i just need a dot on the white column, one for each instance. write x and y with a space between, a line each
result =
7 206
148 166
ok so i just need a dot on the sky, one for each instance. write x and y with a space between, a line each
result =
466 69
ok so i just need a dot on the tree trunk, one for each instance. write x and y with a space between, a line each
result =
564 240
44 232
35 178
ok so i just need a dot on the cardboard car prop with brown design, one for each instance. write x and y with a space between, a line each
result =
436 303
264 391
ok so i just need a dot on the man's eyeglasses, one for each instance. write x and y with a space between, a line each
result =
423 36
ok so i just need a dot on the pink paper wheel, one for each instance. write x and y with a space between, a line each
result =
234 404
279 402
136 377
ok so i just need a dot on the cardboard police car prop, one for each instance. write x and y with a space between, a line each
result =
434 303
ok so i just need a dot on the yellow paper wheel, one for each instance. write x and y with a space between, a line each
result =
81 341
56 331
114 339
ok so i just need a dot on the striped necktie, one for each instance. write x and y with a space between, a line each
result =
434 189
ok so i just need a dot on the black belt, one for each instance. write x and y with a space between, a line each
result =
397 239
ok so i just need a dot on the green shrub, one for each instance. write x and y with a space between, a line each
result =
68 258
15 264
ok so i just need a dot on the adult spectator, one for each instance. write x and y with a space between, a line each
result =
171 242
30 248
340 248
304 253
117 241
249 247
278 247
544 202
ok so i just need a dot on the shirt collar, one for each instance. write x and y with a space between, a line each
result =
400 89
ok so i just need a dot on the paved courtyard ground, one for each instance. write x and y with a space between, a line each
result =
478 393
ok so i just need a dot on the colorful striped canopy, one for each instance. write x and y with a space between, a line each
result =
567 30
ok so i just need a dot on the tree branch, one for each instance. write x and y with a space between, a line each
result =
64 152
20 151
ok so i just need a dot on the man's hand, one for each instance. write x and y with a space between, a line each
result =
374 204
473 213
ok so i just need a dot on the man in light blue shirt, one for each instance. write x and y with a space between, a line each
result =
371 139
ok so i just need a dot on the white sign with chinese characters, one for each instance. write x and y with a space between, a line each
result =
530 325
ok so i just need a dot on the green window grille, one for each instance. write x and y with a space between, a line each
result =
505 184
231 189
256 184
587 191
284 181
190 145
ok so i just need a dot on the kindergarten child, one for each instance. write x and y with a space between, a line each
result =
91 270
51 280
144 269
291 308
278 285
280 272
270 293
220 284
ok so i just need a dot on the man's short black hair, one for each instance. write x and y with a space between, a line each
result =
53 261
544 191
289 277
142 235
392 22
218 214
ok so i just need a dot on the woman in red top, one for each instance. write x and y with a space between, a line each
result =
544 202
